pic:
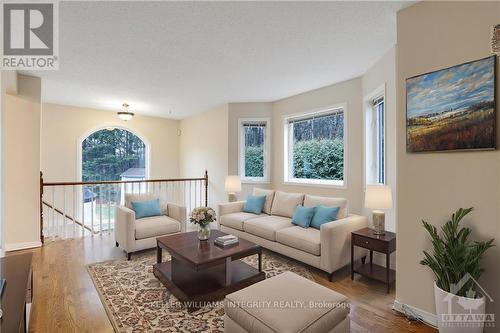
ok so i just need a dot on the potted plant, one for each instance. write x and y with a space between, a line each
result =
203 216
455 262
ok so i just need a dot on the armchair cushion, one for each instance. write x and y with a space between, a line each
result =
129 197
155 226
146 208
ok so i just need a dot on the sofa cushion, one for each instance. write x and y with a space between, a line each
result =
321 311
312 200
266 226
305 239
323 214
155 226
303 216
254 204
235 220
269 198
284 204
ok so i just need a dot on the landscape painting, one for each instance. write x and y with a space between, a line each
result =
452 109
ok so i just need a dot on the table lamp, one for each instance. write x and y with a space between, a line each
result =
378 198
233 185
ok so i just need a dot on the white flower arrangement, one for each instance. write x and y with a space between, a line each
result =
202 216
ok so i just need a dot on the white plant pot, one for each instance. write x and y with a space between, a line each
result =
457 314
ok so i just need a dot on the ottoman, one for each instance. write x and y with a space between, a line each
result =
286 303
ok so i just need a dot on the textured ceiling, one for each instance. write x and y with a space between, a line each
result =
176 59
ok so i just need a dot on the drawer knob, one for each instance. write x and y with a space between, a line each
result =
366 242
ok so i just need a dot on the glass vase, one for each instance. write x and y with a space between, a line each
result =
204 232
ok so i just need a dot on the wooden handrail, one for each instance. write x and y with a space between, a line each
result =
105 182
68 217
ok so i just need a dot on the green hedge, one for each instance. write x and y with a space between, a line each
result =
319 159
254 161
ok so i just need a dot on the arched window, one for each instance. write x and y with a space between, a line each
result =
113 154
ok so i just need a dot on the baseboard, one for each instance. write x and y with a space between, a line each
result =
428 318
22 246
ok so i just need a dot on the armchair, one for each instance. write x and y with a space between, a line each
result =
133 234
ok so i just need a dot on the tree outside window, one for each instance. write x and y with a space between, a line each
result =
316 148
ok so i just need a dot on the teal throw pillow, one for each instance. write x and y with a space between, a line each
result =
303 216
324 214
254 204
146 208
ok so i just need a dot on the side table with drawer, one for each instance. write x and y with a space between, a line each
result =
385 243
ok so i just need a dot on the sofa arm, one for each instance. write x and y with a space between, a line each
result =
178 213
125 228
231 207
335 238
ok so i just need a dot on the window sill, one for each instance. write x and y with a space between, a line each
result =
308 183
250 181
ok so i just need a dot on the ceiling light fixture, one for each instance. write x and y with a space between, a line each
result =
125 114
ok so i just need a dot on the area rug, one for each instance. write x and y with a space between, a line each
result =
136 301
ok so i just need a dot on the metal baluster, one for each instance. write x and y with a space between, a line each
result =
83 211
201 193
53 209
74 211
183 203
64 212
190 202
140 187
109 208
100 209
92 212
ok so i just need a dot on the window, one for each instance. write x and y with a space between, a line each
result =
375 140
113 154
314 147
254 150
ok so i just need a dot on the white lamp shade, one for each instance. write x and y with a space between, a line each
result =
233 184
378 197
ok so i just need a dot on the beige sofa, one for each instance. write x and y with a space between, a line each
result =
328 249
134 235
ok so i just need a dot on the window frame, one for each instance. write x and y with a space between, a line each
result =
371 114
267 151
288 178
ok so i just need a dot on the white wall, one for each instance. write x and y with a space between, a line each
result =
204 146
432 36
345 92
21 165
63 128
383 73
237 111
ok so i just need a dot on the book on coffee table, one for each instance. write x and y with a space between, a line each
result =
226 240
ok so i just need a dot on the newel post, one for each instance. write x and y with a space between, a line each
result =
206 188
41 207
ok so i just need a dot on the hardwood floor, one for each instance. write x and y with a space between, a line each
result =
65 299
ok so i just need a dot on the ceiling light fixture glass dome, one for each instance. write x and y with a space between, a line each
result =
125 114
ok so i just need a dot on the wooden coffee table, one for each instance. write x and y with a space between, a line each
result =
201 271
